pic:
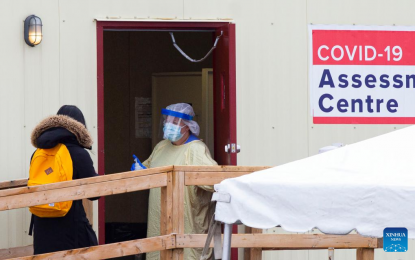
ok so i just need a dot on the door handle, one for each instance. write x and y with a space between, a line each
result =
232 148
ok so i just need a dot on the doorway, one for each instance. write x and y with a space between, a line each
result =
134 61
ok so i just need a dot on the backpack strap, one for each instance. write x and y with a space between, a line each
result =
31 225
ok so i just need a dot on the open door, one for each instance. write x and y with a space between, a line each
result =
224 89
224 74
225 96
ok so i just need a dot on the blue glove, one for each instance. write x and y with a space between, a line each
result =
137 165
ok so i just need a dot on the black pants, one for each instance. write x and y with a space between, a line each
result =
51 239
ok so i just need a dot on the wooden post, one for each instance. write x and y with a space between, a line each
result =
331 253
365 254
178 209
252 253
166 214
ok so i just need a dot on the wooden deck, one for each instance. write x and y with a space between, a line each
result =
171 180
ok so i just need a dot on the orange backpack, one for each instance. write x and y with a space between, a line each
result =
50 166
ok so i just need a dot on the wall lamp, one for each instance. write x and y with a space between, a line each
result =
33 30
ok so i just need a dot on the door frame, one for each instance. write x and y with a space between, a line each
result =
154 25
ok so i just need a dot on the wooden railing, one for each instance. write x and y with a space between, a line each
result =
172 181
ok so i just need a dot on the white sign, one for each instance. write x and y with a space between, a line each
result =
362 74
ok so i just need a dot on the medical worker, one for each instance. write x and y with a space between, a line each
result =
181 147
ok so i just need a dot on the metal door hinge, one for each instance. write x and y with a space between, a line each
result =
232 148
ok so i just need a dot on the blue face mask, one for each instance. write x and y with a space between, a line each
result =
172 132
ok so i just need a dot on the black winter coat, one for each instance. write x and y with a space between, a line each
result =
73 230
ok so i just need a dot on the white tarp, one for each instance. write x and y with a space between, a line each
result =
366 186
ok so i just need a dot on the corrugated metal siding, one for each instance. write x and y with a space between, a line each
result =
29 81
35 82
274 124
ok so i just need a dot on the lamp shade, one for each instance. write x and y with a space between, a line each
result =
33 30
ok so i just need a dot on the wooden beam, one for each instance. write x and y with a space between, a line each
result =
132 247
83 191
220 168
178 209
172 241
13 184
284 242
365 254
115 176
166 214
210 178
252 253
16 252
86 181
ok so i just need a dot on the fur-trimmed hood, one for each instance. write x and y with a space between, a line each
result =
78 129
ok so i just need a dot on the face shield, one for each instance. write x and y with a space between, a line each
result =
174 118
174 124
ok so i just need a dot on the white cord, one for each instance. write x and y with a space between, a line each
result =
186 56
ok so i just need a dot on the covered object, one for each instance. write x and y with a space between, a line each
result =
366 186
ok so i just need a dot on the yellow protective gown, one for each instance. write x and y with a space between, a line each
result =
197 199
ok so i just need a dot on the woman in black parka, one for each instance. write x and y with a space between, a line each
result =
73 230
